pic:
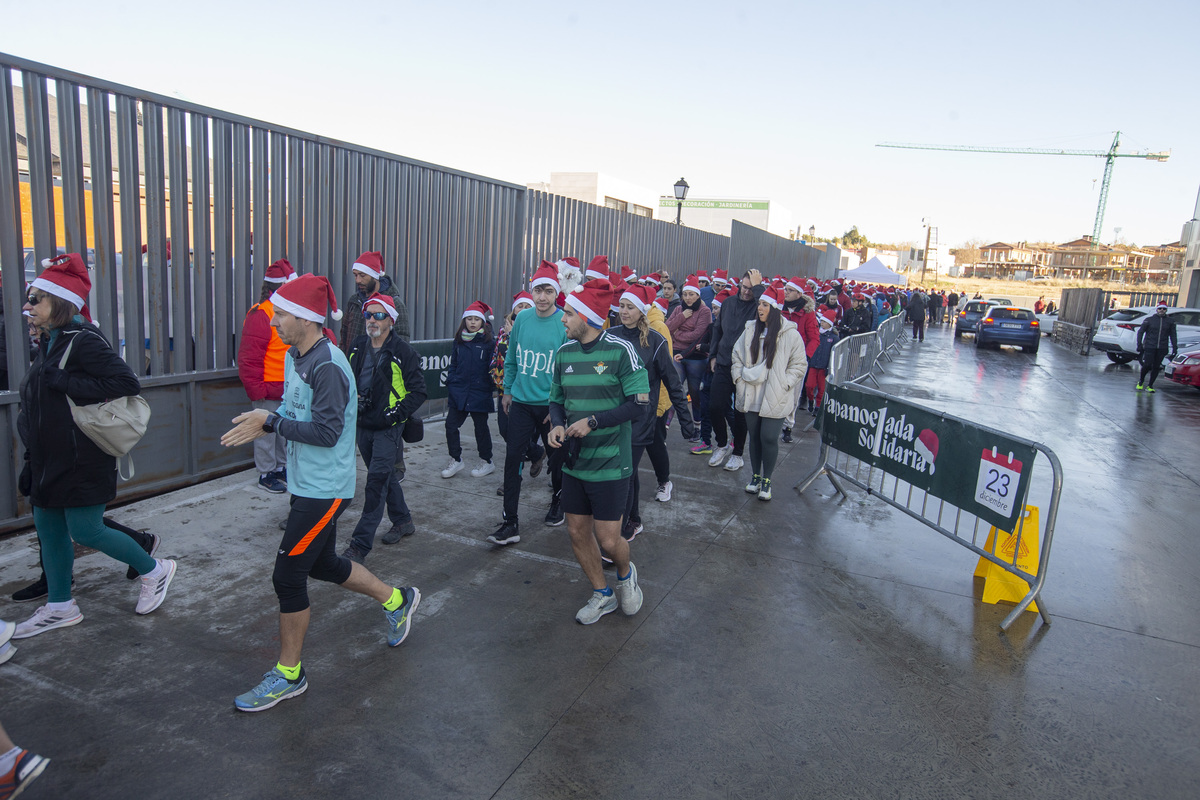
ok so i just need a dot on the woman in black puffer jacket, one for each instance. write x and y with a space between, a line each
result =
67 478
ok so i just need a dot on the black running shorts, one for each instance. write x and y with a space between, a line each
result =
601 500
309 549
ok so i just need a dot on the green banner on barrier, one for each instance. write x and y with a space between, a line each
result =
982 472
435 360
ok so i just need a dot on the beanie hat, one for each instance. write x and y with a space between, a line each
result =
701 275
927 447
385 300
597 268
692 284
640 297
592 301
370 264
546 275
721 276
522 297
309 296
280 272
479 309
773 297
66 277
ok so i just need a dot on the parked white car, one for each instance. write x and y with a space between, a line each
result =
1116 335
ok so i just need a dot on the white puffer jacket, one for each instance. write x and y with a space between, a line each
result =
772 397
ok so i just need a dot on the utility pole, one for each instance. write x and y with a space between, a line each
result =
925 260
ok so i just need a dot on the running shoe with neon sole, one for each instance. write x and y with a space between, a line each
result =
44 619
273 690
702 449
400 620
24 771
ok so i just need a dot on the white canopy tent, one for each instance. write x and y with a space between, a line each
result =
874 271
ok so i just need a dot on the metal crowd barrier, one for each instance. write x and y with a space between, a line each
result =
892 334
954 521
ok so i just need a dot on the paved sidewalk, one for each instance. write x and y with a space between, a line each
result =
798 648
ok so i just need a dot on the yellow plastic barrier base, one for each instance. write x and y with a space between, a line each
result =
999 585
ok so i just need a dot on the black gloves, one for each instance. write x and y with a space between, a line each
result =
57 379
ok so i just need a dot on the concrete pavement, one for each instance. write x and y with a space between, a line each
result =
798 648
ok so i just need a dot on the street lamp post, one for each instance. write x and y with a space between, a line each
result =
681 190
812 234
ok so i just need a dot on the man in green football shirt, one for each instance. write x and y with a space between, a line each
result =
598 386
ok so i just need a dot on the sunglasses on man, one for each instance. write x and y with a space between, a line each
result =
380 316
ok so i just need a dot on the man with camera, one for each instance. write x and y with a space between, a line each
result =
391 387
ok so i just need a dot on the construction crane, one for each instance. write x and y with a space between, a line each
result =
1110 156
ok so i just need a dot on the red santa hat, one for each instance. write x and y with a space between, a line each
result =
628 275
1162 304
280 272
701 275
720 276
522 297
597 268
721 297
309 296
824 322
653 279
638 296
619 288
773 297
567 263
592 301
370 264
66 277
386 300
479 309
546 275
927 447
662 303
692 284
795 283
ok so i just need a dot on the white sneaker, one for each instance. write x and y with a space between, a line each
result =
629 592
7 651
7 629
734 463
664 492
455 467
597 606
154 590
484 468
46 620
719 455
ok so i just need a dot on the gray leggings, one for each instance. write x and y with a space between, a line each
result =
762 433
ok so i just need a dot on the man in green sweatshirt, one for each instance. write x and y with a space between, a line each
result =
536 334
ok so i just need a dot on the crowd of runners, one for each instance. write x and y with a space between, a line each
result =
586 371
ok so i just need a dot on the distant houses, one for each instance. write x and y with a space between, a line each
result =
1078 259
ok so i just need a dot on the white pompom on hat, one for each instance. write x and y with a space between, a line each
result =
308 297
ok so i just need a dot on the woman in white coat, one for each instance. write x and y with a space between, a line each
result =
768 362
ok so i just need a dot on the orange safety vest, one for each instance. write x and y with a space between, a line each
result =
276 349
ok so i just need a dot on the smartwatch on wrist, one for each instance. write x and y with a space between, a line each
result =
592 422
269 425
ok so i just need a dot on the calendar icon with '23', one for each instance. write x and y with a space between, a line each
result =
999 475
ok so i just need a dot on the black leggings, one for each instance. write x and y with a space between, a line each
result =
1152 359
762 433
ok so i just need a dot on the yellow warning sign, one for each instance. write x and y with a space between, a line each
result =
999 585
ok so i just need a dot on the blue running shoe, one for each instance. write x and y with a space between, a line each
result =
275 687
400 620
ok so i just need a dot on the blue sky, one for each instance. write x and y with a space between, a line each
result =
781 100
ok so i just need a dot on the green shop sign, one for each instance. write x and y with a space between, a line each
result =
435 360
979 470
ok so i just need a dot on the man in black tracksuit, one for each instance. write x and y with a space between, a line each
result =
1153 338
728 327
